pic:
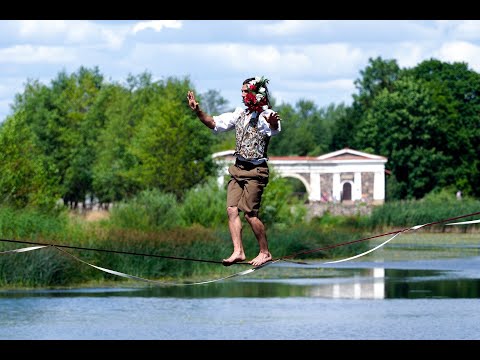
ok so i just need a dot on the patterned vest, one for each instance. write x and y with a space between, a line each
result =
250 143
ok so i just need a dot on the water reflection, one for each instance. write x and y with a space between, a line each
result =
410 284
380 283
371 285
359 300
363 282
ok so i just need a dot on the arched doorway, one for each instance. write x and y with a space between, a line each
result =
347 191
299 190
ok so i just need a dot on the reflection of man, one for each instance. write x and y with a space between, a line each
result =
459 195
254 126
324 197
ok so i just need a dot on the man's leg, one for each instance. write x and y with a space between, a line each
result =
250 204
235 227
259 231
234 192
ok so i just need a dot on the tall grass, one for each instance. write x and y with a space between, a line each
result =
278 205
432 208
149 210
314 241
164 255
30 223
205 205
155 237
40 267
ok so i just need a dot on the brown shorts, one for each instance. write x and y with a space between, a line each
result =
246 186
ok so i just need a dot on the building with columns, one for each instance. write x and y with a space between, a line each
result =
344 176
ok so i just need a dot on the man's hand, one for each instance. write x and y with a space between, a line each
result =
191 100
204 118
273 120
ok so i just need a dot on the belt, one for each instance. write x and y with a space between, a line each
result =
248 165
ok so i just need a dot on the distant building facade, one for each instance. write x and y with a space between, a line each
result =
343 176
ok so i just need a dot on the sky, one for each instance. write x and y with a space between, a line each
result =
316 60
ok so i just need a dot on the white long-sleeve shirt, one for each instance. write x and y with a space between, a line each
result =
226 121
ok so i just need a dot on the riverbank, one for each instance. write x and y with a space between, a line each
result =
407 246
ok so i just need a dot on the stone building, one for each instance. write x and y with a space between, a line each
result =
345 176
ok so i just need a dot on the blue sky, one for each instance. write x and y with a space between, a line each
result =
316 60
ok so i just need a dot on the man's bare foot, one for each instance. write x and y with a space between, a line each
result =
234 258
261 259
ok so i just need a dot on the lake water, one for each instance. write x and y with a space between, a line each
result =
357 300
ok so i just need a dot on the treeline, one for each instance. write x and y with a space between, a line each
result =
425 120
84 138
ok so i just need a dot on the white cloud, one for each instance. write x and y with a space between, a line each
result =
308 59
409 54
290 61
28 54
156 25
41 28
327 31
460 51
337 84
72 32
289 27
321 93
468 30
457 30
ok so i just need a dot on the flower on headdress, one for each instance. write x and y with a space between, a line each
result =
256 97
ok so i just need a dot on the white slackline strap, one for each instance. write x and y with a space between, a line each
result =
465 222
416 227
118 273
30 248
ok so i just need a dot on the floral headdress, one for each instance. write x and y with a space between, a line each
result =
257 94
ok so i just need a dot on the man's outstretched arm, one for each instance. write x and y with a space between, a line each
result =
194 105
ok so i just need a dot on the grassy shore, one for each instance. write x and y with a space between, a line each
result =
164 253
422 245
419 245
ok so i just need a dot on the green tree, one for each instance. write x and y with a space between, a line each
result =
28 178
213 103
457 92
76 98
379 75
280 145
402 124
306 129
59 117
113 159
172 147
